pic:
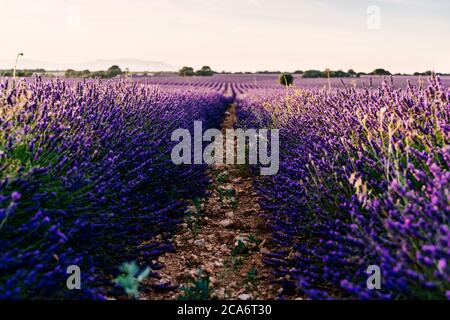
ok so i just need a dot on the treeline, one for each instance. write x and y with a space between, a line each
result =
21 73
189 72
352 74
426 73
340 73
112 72
207 71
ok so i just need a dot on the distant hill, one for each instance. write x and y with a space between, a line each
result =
96 65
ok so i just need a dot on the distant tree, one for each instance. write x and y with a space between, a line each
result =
286 79
298 72
352 73
380 72
21 72
339 74
266 72
69 73
426 73
113 71
313 74
205 71
110 73
99 74
186 72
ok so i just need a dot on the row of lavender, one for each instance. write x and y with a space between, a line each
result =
86 179
244 82
364 180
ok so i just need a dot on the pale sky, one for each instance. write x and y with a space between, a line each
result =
400 35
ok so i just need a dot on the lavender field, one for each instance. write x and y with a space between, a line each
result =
364 179
248 81
239 159
87 179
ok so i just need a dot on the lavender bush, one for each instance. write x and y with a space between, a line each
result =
364 180
86 179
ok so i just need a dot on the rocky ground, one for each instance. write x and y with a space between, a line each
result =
220 246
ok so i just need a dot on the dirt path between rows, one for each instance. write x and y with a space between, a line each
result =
221 245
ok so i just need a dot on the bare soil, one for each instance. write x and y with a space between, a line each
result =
222 241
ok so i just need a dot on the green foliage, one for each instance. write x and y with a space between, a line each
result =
234 203
189 72
194 217
339 74
186 72
21 73
313 74
250 278
426 73
205 71
253 239
198 204
332 74
380 72
70 73
237 255
222 177
198 289
262 72
228 196
112 72
98 74
240 248
131 277
286 79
